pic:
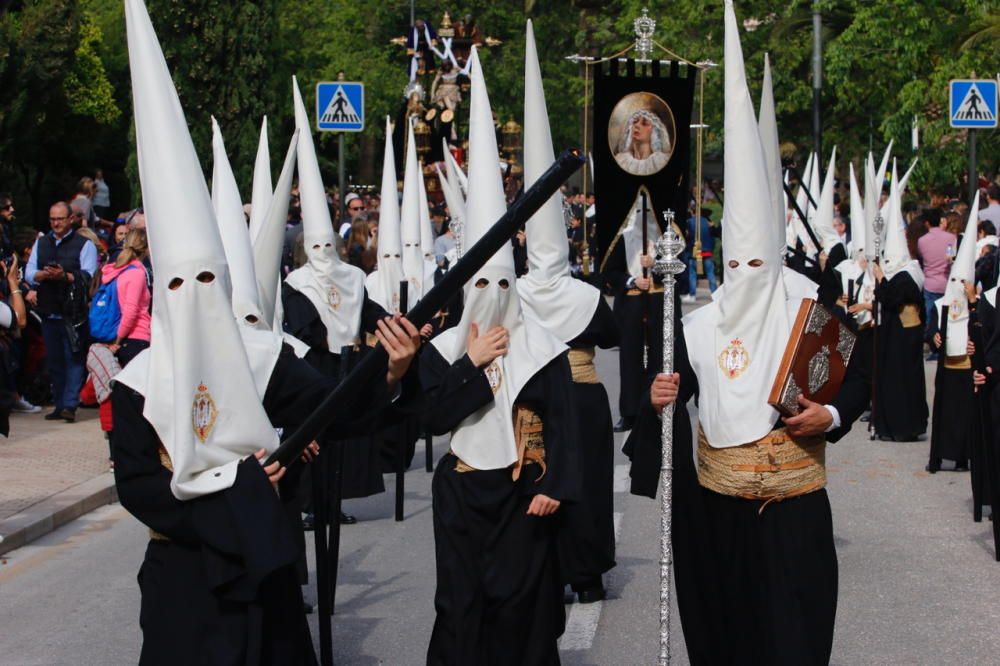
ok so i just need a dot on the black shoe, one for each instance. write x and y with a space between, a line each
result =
54 415
68 415
624 424
962 467
931 470
307 608
590 595
346 519
308 522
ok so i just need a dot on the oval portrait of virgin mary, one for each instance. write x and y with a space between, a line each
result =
641 133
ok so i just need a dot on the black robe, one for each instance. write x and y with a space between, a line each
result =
499 596
955 422
640 320
753 586
900 409
587 530
222 588
830 287
362 469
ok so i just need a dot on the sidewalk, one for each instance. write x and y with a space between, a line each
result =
50 473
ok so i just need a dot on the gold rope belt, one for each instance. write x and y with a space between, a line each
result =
654 289
581 364
528 428
169 465
909 316
773 468
957 362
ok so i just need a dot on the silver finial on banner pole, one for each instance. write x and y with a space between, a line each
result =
644 28
668 249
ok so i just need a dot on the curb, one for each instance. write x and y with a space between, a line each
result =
45 516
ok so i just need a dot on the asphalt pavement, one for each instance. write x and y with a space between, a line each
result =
918 578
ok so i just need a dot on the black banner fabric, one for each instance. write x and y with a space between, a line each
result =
642 137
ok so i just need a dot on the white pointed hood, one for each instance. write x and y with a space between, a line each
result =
383 284
454 201
823 219
802 199
335 288
415 267
262 343
631 233
859 228
235 238
963 271
485 439
767 123
426 226
736 343
895 251
199 392
455 174
856 277
269 242
262 187
549 294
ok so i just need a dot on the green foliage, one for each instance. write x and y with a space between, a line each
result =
57 101
87 88
221 56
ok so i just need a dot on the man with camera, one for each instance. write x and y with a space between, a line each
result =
61 266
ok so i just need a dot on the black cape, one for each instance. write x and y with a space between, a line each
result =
640 321
362 469
753 586
499 592
222 588
900 408
586 534
955 422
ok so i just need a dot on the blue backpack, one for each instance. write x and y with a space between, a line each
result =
105 313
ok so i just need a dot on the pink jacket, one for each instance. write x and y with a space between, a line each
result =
133 299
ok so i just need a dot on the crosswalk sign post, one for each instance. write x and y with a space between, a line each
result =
340 106
972 105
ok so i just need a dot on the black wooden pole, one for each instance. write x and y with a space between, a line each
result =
342 400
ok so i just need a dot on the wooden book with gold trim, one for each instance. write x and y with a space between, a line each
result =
815 360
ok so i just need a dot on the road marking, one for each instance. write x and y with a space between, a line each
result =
621 478
583 619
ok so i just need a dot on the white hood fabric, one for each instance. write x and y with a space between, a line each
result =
896 252
823 219
860 289
336 289
201 397
802 199
485 439
263 344
262 187
549 294
383 284
631 234
455 174
269 242
418 275
767 123
963 270
456 211
736 342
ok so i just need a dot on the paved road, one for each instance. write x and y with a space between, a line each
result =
917 577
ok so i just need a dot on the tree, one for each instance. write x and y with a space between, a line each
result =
221 55
57 100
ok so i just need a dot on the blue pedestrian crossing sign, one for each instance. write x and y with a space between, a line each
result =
340 106
973 103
